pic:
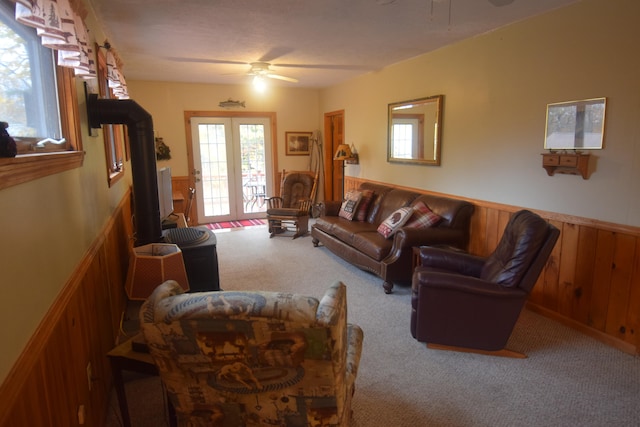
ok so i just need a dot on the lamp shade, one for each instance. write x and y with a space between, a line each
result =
151 265
343 152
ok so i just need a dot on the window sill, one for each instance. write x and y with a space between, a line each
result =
28 167
115 177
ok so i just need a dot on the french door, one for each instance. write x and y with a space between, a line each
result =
232 166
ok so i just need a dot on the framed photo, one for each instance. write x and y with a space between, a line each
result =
298 143
575 125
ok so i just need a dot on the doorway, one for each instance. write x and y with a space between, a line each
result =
334 169
231 160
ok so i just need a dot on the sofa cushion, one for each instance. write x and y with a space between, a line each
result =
342 228
372 244
346 231
394 221
422 217
350 204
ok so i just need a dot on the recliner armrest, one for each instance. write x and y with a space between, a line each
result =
409 237
464 284
446 259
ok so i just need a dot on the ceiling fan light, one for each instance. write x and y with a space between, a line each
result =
259 83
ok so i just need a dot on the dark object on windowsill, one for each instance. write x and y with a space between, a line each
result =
7 143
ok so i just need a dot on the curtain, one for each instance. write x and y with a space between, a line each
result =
62 29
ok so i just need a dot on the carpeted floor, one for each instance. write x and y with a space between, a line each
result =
568 379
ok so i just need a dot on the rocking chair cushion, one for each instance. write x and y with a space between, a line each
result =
286 212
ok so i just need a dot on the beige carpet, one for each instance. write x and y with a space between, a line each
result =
568 379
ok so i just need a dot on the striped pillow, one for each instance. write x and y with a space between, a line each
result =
422 217
363 206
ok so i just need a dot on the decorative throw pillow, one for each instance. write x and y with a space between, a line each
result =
363 206
394 221
422 217
350 204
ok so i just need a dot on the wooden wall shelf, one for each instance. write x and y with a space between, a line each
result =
566 163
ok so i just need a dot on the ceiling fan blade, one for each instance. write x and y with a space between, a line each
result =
274 53
499 3
326 66
205 60
286 79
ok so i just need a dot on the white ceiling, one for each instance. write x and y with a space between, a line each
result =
318 42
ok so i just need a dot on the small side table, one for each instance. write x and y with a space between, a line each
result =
124 358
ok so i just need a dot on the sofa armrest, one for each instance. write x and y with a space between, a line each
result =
330 208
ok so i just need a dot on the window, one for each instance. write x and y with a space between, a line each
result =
404 140
112 133
39 101
28 99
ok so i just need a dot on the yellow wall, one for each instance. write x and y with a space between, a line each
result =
296 110
45 233
496 88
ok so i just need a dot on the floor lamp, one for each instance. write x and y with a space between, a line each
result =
343 152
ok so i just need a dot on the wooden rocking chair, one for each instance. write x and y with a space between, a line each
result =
291 210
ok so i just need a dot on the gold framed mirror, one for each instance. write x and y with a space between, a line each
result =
415 131
575 125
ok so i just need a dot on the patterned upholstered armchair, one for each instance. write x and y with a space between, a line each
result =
254 358
292 208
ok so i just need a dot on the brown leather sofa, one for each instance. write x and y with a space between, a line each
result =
359 242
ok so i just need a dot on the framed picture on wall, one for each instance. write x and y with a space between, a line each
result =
298 143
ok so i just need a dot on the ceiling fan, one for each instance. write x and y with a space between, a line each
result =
262 69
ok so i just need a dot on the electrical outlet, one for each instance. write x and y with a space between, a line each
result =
89 375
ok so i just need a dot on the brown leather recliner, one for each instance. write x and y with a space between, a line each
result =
472 303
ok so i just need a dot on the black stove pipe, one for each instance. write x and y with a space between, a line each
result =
148 226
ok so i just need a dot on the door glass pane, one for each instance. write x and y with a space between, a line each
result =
215 181
252 147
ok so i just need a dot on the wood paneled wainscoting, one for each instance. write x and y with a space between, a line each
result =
592 279
48 384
